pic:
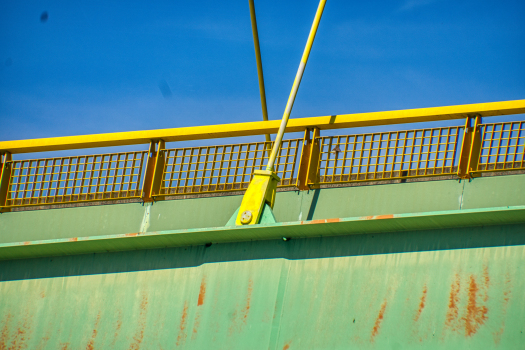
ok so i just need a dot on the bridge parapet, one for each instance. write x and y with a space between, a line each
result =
303 164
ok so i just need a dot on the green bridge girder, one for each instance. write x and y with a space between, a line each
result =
432 264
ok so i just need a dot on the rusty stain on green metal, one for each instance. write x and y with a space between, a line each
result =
403 272
342 292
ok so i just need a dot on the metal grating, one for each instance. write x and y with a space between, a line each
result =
502 146
389 155
226 167
223 168
76 179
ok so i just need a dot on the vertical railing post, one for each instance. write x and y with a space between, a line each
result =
5 179
308 173
154 168
470 148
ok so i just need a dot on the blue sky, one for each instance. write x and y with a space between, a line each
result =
104 66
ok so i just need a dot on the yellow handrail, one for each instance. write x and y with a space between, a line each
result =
264 127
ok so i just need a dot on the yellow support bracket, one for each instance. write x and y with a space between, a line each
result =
261 191
263 186
154 168
308 174
470 148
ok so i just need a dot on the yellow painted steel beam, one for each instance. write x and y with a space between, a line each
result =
264 127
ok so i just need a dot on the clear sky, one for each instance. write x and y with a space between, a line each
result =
107 66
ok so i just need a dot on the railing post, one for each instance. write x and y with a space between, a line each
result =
5 179
308 173
154 169
470 148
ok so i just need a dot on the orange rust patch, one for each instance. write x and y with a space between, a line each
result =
74 239
421 303
4 335
119 325
27 243
379 319
366 217
333 220
117 329
22 335
202 292
476 315
380 217
453 301
196 325
42 294
506 297
200 301
287 345
246 309
139 335
181 338
323 221
243 317
91 343
486 280
131 234
64 346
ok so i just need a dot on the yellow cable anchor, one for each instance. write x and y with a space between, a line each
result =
262 188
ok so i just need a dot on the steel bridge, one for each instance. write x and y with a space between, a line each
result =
387 240
302 164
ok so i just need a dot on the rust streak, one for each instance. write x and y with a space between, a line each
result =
202 292
242 315
475 315
200 302
139 335
4 336
486 279
181 338
379 319
421 303
90 345
246 309
64 346
287 345
22 335
453 302
506 298
119 325
323 221
131 234
74 239
380 217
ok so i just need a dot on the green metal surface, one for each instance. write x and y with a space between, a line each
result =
296 229
433 265
454 289
346 202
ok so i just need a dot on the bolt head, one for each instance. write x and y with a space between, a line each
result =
246 217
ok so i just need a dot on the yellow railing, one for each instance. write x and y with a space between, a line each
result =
76 179
302 164
224 168
502 147
389 155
